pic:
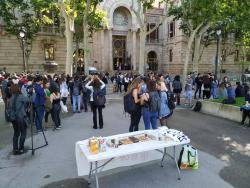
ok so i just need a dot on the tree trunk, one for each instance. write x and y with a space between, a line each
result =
69 40
86 49
197 45
86 39
142 51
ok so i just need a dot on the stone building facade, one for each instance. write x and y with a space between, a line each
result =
115 48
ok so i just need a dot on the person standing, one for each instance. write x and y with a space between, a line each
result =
126 82
19 104
165 112
214 87
151 105
135 116
48 104
76 95
188 90
96 86
39 103
64 90
55 99
85 96
177 88
198 83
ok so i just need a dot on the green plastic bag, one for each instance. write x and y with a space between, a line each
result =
188 158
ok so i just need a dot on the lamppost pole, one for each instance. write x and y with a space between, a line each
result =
24 63
218 33
22 35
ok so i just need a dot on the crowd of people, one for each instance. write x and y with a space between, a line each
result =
33 98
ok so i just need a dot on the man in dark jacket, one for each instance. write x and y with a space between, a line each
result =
39 103
75 89
198 83
239 91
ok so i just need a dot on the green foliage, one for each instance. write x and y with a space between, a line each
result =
18 13
240 101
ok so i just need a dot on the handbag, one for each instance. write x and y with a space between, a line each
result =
188 158
48 104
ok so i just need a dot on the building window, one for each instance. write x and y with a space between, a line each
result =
248 57
170 55
154 35
49 52
171 29
50 27
236 55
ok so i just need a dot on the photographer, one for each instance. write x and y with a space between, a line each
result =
97 99
39 103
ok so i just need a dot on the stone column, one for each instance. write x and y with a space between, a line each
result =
134 50
110 50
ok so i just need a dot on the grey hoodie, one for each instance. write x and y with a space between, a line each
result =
21 105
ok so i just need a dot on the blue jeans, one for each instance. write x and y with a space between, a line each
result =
149 118
76 100
39 114
214 92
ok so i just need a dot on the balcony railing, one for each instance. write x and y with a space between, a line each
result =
153 41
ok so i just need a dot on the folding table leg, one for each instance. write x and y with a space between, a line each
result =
163 157
178 169
90 172
96 174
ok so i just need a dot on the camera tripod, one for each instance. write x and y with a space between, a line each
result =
32 115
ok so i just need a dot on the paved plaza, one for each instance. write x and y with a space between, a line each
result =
223 155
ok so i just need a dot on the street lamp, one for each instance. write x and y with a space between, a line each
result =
23 35
218 34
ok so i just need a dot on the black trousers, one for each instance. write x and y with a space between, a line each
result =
134 121
100 117
119 87
245 114
64 100
55 114
198 89
125 87
85 101
47 116
20 131
206 94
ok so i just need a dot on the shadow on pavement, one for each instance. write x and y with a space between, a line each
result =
68 183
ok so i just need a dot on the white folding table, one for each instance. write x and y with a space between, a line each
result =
97 162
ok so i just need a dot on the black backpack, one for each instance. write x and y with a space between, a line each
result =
129 103
197 106
11 111
171 100
99 98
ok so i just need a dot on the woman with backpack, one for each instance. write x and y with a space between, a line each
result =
177 88
165 111
151 104
97 99
18 104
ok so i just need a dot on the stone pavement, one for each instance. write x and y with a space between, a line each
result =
55 166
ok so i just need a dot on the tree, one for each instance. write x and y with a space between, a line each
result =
17 14
140 8
86 16
196 16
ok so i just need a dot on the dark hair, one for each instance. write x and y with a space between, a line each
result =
38 78
15 89
96 84
177 78
151 85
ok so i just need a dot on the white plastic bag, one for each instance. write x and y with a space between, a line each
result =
64 107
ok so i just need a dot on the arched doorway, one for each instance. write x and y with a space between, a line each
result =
78 65
122 21
152 61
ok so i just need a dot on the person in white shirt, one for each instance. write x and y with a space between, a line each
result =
97 99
